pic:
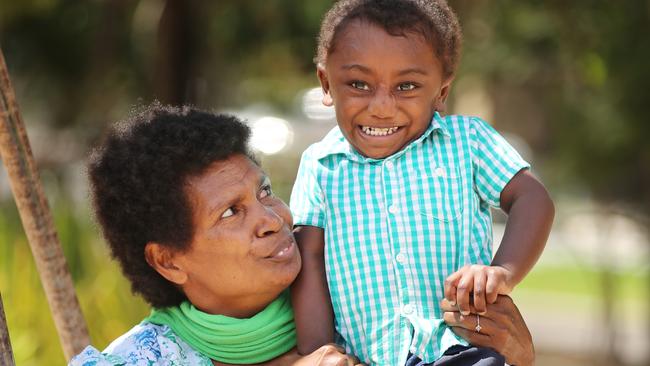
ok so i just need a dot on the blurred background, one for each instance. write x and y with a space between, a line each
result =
567 83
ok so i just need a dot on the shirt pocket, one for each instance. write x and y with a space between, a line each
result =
443 192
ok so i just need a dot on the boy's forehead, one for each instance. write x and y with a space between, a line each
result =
358 35
361 42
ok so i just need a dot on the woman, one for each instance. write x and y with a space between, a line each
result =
192 220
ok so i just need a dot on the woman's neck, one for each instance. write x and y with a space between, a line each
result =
239 307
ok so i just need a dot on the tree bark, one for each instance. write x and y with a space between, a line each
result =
6 355
37 221
175 53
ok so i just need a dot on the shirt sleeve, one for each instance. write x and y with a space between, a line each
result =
494 161
307 202
91 356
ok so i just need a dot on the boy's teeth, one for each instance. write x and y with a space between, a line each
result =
376 131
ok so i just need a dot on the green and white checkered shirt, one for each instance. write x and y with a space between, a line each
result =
396 227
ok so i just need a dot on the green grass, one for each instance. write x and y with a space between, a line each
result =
580 280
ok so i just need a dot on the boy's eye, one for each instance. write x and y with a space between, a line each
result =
266 191
406 86
229 212
359 85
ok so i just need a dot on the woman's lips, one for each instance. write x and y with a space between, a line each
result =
286 250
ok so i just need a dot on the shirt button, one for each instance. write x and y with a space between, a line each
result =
401 258
392 209
389 164
408 309
440 172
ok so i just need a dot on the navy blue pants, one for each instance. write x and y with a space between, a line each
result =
461 356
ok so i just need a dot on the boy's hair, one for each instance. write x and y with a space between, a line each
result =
433 19
137 178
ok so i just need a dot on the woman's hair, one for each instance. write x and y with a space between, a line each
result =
433 19
138 175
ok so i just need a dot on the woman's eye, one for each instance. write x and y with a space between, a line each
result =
406 86
266 191
229 212
360 85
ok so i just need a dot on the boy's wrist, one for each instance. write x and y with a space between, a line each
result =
509 278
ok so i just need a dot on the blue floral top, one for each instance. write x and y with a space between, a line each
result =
146 344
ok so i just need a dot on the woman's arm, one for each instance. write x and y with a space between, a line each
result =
502 329
309 293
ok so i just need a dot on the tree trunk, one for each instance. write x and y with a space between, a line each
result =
37 221
174 56
6 355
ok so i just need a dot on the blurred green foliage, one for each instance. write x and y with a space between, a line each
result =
103 293
569 77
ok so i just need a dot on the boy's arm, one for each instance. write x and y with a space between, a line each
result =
309 292
530 216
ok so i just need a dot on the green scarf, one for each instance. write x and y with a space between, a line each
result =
268 334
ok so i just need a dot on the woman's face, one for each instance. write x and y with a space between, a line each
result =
243 253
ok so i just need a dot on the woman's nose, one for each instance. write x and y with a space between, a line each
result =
382 103
270 222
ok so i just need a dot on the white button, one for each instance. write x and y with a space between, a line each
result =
401 258
440 172
408 309
389 164
413 349
392 209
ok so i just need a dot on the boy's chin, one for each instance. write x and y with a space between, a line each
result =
378 153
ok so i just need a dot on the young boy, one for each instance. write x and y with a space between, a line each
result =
392 207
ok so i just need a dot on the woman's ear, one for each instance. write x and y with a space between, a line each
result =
325 85
440 104
163 260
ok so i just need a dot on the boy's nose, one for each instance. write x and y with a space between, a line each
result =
382 103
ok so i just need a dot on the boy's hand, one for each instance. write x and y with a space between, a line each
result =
484 282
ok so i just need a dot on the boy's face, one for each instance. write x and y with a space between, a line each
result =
385 89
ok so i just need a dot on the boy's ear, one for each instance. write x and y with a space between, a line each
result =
164 260
325 85
440 103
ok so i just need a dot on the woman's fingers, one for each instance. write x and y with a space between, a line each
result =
493 314
336 347
476 339
328 355
456 319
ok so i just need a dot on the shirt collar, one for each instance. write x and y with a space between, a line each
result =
335 143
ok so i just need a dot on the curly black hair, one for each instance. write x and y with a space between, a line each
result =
137 177
433 19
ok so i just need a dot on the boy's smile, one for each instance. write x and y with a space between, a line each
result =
385 88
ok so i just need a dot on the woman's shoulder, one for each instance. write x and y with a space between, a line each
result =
144 344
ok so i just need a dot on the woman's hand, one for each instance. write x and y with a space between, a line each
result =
327 355
502 329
